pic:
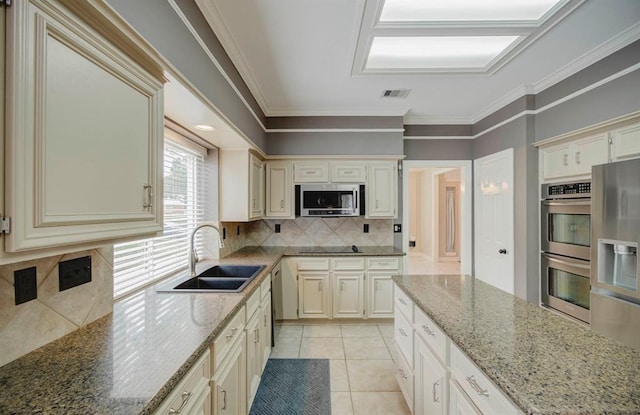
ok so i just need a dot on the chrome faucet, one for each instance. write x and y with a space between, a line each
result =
193 255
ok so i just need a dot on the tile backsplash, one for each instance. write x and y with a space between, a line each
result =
304 231
53 313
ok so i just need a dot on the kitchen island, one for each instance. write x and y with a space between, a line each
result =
543 362
129 361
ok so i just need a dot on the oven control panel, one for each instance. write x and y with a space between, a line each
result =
566 190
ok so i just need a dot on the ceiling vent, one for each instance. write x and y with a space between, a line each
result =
395 93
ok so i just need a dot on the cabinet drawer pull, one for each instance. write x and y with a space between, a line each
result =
402 332
256 337
428 330
403 374
224 399
434 391
402 301
281 204
264 320
320 286
341 285
185 398
474 384
577 157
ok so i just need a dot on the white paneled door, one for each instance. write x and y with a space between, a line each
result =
494 227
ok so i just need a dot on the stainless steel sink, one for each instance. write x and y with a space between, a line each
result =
220 278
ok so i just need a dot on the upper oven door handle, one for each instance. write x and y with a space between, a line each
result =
566 202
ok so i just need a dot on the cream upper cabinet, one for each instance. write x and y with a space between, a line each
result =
311 171
279 190
625 142
574 158
256 187
84 132
241 186
382 183
348 171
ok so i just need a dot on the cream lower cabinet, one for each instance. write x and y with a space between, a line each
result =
459 403
192 395
431 383
380 286
348 294
84 129
434 375
229 386
258 337
341 287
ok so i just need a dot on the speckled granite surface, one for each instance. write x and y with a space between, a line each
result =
127 362
543 362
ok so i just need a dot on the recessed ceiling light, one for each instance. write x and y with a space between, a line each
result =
436 52
464 10
204 127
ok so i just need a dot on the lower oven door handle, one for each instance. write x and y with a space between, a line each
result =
565 262
566 202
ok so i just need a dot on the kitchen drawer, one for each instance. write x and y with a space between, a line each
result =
403 335
253 303
340 264
189 389
313 264
431 333
383 263
404 377
227 337
403 303
482 392
265 286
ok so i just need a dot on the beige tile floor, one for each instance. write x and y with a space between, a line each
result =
361 364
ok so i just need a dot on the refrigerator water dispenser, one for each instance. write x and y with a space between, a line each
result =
618 264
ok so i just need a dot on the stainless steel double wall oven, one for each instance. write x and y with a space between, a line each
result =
565 244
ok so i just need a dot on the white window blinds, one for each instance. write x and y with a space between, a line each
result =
141 262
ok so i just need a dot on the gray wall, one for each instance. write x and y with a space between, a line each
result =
519 135
611 100
444 149
158 23
335 143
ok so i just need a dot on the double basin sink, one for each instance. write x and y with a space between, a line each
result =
220 278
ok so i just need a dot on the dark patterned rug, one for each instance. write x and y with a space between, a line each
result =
294 387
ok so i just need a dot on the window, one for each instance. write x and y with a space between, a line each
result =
138 263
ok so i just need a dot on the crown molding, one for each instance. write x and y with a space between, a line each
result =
507 99
439 137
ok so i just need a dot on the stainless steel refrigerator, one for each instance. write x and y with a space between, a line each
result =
615 236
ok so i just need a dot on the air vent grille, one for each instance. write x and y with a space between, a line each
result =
395 93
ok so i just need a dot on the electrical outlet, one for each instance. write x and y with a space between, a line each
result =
224 233
74 272
397 228
365 229
24 282
238 230
277 230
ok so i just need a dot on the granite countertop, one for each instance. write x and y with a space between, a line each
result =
545 363
128 361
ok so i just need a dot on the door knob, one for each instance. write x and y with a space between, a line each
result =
502 251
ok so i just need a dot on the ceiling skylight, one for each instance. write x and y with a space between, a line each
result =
436 52
465 10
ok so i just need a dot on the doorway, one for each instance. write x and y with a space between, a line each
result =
437 217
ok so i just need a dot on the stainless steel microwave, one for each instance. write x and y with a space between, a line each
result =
328 200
